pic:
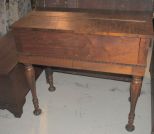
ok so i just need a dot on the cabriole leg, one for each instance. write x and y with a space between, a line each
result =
30 74
49 78
135 91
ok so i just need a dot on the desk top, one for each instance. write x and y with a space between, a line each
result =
104 22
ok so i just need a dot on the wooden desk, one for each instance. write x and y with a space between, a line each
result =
94 40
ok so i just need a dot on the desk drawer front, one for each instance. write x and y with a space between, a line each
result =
78 46
112 49
47 43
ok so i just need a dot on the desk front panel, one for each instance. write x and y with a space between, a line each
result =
64 45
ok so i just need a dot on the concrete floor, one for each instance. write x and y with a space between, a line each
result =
81 105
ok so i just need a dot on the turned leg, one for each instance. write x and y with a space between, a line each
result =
129 99
135 91
30 74
49 78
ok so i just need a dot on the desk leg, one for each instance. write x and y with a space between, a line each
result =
135 92
30 74
130 92
49 78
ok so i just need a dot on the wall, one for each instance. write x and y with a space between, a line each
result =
10 11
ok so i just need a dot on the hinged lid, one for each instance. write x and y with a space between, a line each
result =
132 24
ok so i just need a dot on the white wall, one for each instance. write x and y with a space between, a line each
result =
12 11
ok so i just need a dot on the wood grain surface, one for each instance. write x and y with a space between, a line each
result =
99 23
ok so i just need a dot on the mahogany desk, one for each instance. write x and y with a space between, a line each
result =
95 40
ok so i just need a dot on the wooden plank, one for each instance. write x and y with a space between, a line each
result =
96 14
